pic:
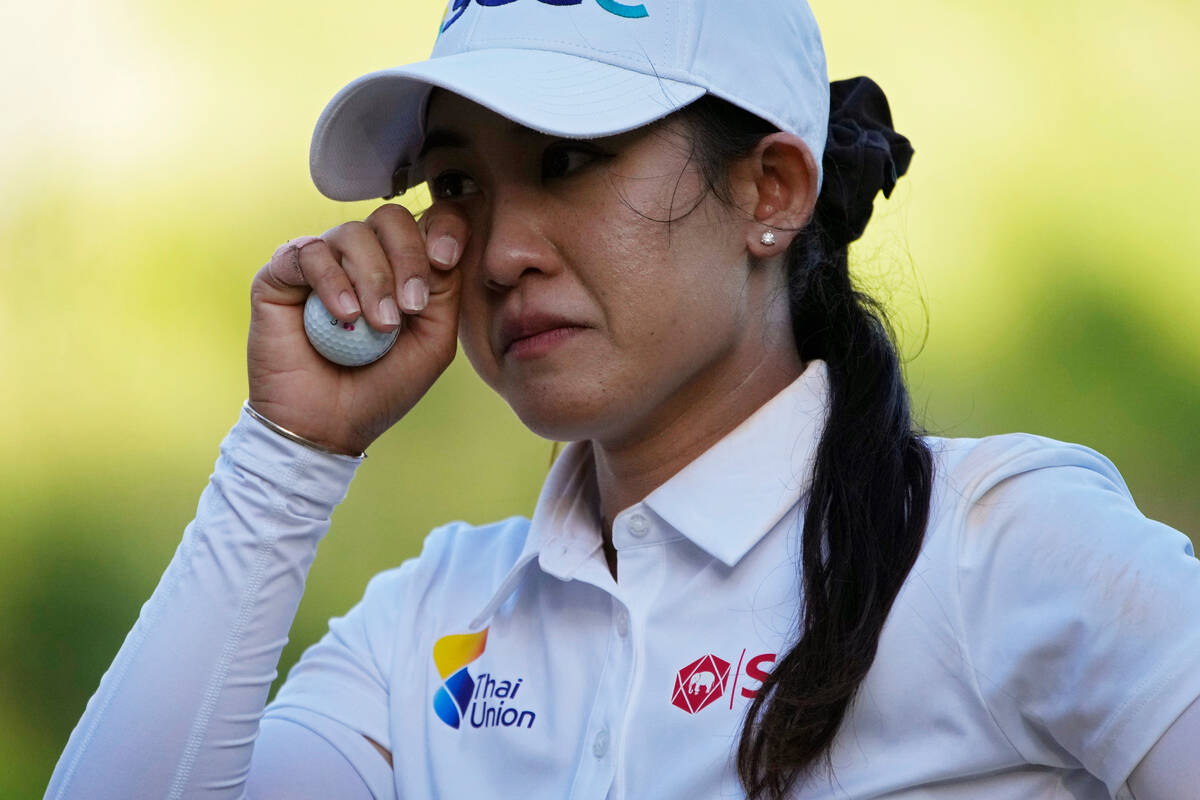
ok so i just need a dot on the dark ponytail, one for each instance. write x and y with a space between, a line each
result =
869 500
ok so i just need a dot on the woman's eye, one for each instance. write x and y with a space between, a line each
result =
561 160
450 185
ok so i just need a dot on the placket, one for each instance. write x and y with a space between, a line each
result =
640 538
597 764
640 575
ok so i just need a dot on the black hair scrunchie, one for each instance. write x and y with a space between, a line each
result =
863 156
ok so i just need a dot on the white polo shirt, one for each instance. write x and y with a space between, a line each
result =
1044 640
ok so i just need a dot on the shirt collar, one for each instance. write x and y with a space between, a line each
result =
564 532
725 501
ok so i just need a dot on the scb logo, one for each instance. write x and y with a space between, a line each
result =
627 10
704 681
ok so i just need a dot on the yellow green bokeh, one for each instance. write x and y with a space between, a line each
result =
1039 258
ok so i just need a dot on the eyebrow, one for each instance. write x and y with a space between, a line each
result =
442 137
447 137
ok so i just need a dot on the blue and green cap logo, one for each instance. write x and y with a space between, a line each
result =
456 8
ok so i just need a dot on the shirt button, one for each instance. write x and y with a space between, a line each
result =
600 744
638 525
622 623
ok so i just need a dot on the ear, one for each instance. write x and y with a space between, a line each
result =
777 185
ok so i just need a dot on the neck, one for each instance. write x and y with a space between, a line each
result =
631 462
629 470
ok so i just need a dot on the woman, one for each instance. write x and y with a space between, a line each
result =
747 573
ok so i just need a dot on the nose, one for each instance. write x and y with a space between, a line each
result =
518 244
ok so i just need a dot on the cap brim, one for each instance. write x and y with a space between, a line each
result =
376 123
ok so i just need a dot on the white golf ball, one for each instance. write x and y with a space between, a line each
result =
351 344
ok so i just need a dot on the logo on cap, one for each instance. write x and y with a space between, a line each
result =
457 8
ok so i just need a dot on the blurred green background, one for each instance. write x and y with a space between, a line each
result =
1039 259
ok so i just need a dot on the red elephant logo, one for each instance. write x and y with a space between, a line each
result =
700 683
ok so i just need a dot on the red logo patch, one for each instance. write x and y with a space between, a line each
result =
700 683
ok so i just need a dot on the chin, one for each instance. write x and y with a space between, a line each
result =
558 423
561 416
562 401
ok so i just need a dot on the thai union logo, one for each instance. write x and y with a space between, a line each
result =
700 683
485 701
451 655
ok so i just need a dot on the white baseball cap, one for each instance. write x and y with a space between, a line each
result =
577 69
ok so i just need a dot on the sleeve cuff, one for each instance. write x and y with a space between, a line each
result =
321 477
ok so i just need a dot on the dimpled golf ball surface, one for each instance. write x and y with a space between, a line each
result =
351 344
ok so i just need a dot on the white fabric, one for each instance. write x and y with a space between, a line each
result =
1044 641
1171 771
178 711
585 69
292 762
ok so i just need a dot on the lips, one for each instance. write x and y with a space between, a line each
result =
534 330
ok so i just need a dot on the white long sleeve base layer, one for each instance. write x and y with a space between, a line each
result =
177 714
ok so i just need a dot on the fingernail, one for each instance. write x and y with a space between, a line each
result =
416 294
388 311
348 304
445 251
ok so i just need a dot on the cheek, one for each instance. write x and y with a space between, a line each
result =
472 339
632 259
668 281
473 328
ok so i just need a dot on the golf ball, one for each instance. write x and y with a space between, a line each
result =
351 344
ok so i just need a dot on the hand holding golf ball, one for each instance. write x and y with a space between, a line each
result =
349 329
